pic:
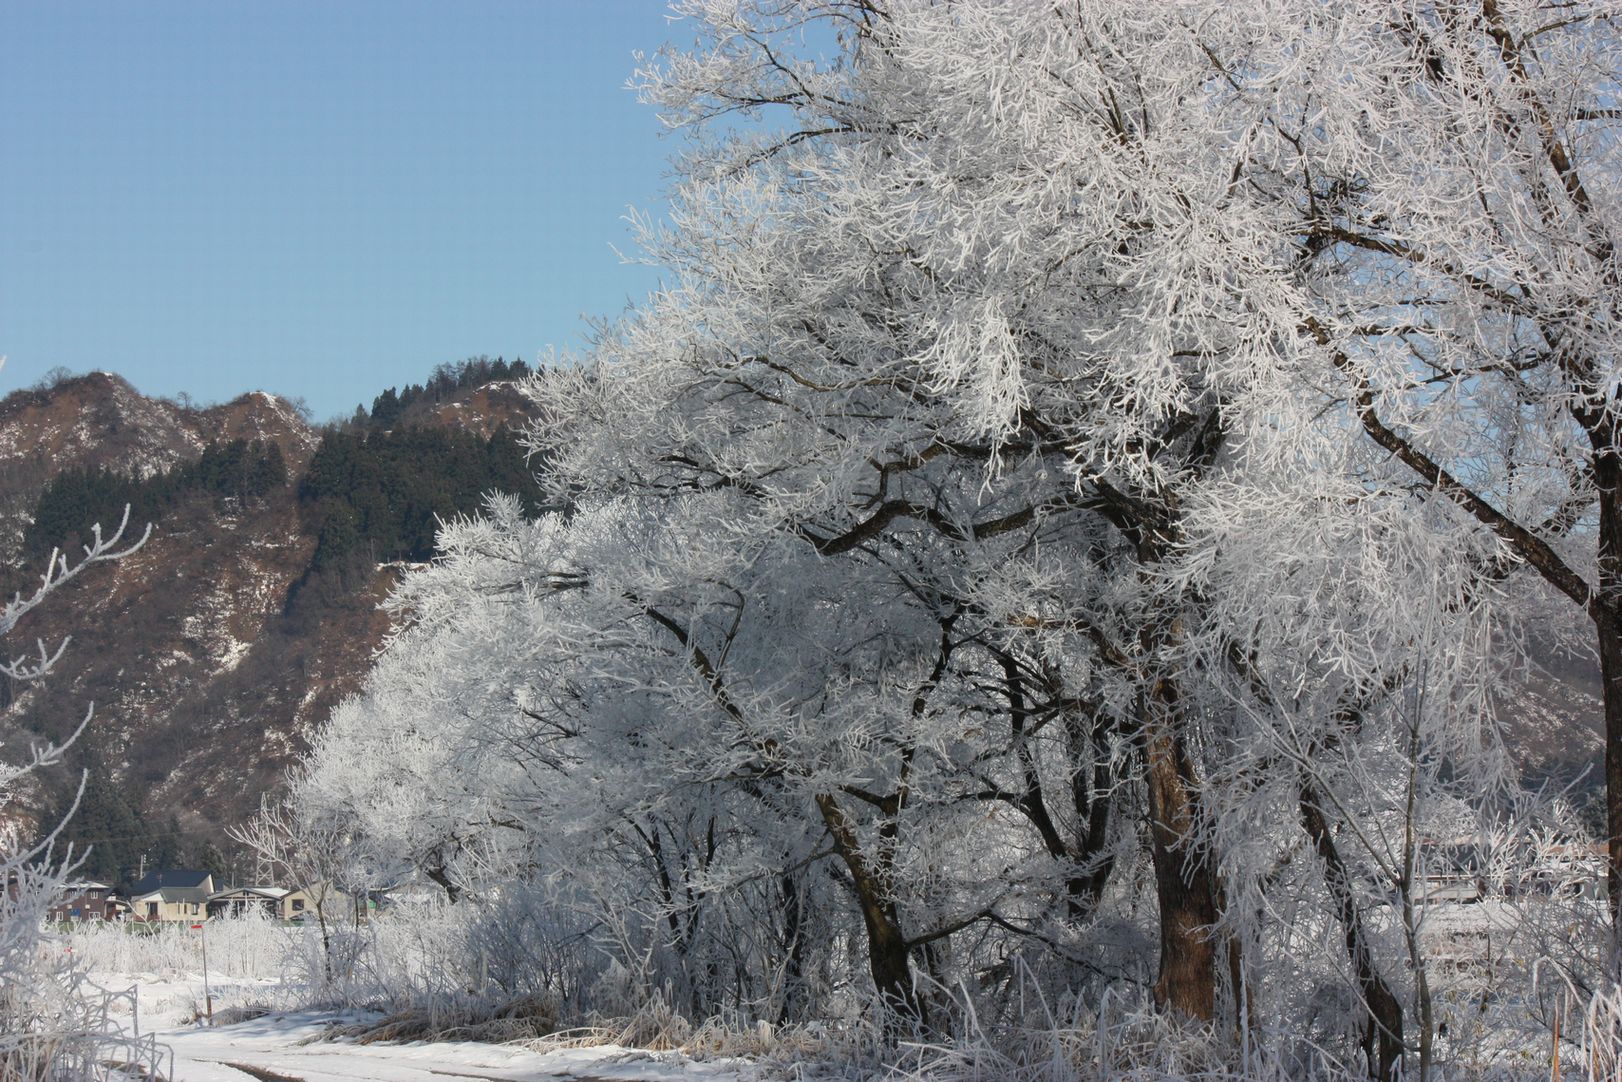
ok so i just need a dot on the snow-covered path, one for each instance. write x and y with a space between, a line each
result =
290 1046
273 1049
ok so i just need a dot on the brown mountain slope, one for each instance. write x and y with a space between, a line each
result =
207 667
485 410
99 420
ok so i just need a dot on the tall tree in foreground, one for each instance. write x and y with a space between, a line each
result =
1456 195
1042 248
1163 256
983 523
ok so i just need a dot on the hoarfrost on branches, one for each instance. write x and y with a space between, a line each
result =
1062 521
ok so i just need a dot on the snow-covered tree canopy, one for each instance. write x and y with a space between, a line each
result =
1060 512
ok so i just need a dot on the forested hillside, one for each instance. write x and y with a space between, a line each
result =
380 495
212 652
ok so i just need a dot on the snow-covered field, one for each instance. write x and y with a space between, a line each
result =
152 987
264 1027
295 1045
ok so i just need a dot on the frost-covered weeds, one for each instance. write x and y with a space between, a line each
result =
248 945
427 969
461 961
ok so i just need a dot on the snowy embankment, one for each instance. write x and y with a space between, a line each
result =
291 1046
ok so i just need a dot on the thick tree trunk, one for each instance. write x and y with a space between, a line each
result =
1184 885
889 961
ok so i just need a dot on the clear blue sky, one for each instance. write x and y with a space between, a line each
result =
316 198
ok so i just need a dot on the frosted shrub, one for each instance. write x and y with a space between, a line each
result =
532 944
426 955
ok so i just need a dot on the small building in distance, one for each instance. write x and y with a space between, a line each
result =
87 900
173 894
278 903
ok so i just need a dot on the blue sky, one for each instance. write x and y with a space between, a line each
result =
313 198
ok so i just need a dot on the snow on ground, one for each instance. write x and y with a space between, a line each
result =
289 1046
274 1048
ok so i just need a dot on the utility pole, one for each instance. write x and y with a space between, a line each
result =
208 996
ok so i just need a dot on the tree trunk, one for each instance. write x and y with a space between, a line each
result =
1090 797
794 991
1608 631
888 954
1383 1044
1610 656
1185 882
889 961
1186 982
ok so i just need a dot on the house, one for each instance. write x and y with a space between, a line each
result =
235 901
87 900
171 895
278 903
296 904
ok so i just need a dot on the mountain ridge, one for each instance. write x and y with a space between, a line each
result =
209 655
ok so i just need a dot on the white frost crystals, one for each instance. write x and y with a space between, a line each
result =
1055 532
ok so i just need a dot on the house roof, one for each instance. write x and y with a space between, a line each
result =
170 877
262 892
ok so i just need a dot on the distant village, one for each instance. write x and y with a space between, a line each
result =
1456 871
179 894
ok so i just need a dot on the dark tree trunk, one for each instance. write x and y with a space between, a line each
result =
794 996
1091 798
1608 630
1184 883
890 962
1383 1043
888 953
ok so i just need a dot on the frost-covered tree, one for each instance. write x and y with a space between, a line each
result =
1455 192
985 522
